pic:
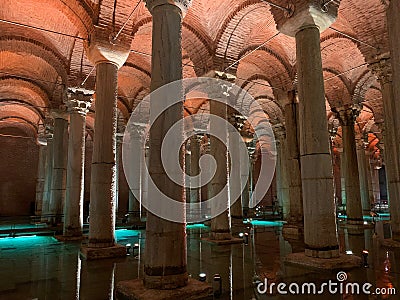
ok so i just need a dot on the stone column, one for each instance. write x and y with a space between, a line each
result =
315 158
363 170
220 225
48 170
235 180
282 183
347 116
383 70
165 270
107 57
291 111
393 12
60 147
118 153
134 190
41 174
194 168
78 104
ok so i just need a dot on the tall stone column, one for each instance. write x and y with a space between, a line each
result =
383 70
295 220
194 168
305 24
365 176
107 57
235 180
60 148
220 224
48 169
41 174
347 116
282 183
135 189
118 154
393 26
78 104
166 270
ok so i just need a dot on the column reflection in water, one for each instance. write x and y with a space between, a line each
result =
97 280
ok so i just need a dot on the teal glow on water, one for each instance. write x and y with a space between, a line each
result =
194 226
383 217
267 223
124 234
26 241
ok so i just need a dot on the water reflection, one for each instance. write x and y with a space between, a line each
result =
43 268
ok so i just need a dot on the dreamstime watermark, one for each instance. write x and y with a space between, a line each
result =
333 287
166 102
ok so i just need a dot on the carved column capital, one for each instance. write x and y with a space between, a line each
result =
183 5
382 69
348 114
102 47
79 100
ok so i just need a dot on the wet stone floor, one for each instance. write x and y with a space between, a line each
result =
40 267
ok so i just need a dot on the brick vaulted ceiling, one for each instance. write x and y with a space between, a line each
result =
36 64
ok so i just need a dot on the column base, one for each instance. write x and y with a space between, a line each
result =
293 231
92 253
220 241
135 290
67 238
343 262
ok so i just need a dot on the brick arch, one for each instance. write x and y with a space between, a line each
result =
235 19
369 27
36 110
78 12
21 125
337 88
284 72
29 67
199 48
272 108
34 94
363 83
19 44
342 54
14 110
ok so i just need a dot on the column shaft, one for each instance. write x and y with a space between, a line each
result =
40 179
60 146
363 173
293 156
393 12
166 269
73 209
48 179
220 225
352 181
316 167
102 185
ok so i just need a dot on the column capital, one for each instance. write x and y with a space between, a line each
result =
382 69
102 47
183 5
347 114
306 14
79 100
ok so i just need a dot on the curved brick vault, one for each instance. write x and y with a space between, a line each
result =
36 65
